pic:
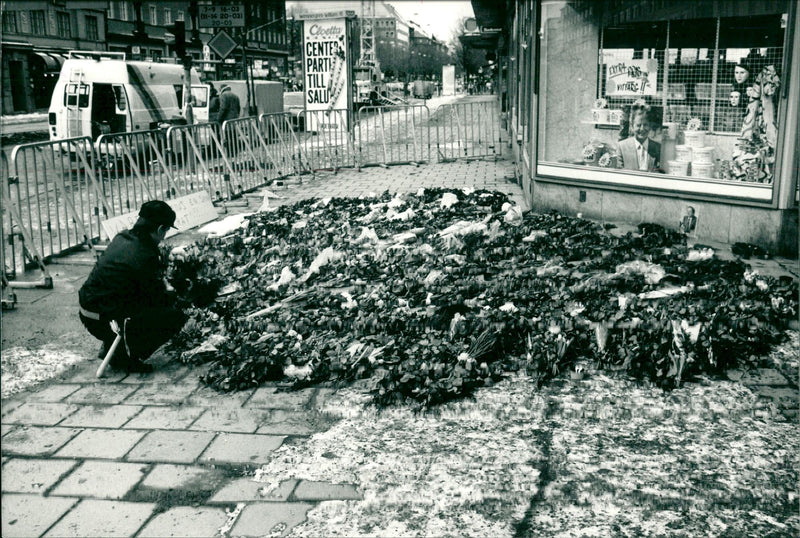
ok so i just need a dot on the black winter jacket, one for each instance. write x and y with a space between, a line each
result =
126 279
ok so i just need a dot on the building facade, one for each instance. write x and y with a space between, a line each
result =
645 110
36 38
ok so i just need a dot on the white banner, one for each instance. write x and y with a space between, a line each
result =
448 80
631 77
326 74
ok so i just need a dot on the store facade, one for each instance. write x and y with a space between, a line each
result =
651 110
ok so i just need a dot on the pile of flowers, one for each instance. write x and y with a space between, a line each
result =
429 296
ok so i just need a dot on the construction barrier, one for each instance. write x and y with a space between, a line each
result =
55 194
468 130
393 135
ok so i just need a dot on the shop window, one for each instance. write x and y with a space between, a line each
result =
9 22
38 24
689 104
91 28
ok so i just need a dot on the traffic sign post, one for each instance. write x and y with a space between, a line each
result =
222 44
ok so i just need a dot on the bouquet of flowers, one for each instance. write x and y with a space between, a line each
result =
600 103
610 159
694 124
600 154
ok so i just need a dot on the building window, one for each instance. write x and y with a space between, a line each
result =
64 25
179 16
686 104
9 22
123 11
153 15
167 15
38 24
112 10
91 28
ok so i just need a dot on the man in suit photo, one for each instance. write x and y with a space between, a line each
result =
638 151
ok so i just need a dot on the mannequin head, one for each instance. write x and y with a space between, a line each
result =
741 74
735 98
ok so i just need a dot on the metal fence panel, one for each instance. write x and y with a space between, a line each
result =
393 134
468 130
329 149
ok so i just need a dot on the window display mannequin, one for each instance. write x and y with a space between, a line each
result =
638 151
754 158
741 80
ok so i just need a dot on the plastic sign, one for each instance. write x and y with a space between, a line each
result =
221 16
327 76
222 44
631 77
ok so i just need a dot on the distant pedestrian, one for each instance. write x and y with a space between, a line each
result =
126 286
229 106
213 106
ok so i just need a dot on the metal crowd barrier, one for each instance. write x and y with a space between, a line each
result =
55 194
52 197
327 141
468 130
393 134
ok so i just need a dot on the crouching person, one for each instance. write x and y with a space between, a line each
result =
126 286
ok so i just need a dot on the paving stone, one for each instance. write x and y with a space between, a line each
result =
101 479
165 418
160 394
170 446
5 428
52 393
228 419
101 394
102 444
103 518
270 519
86 372
36 440
7 405
169 476
206 397
322 396
308 490
102 416
22 475
764 376
163 374
30 515
283 422
241 448
186 521
39 413
247 490
268 397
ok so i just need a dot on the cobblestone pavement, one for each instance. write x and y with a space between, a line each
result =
159 454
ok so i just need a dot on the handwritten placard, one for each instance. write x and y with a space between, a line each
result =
190 211
631 77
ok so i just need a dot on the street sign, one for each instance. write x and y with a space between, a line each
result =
222 44
221 16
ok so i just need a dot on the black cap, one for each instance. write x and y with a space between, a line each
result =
158 212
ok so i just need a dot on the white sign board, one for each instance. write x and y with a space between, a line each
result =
220 16
631 77
448 80
327 78
190 211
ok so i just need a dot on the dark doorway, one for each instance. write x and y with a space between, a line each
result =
16 74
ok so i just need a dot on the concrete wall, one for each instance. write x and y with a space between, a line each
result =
769 228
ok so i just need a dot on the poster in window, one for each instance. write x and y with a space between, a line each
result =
631 78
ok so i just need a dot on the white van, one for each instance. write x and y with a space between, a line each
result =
100 93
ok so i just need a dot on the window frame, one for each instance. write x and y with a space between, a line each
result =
702 189
39 22
90 21
10 25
